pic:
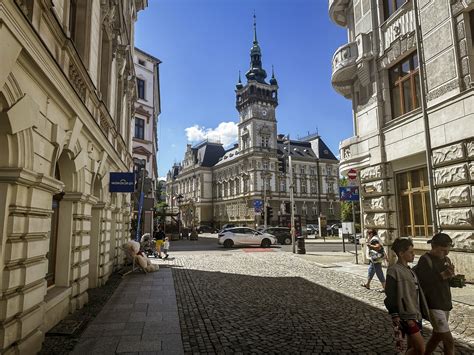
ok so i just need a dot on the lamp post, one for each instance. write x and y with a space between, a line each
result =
292 198
179 198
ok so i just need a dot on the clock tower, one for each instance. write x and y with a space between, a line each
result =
256 102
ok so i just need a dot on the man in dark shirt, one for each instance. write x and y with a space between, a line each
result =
434 270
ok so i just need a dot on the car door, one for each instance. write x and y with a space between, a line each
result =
238 236
249 236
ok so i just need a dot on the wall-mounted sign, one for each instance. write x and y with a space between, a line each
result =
349 193
122 182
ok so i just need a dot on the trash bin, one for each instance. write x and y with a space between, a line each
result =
300 248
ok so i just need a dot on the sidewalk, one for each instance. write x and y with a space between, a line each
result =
141 316
345 262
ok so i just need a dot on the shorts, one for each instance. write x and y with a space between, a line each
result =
159 243
410 330
439 320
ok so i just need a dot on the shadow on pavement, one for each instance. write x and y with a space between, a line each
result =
222 312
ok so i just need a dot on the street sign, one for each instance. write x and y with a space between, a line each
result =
122 182
352 174
257 205
349 193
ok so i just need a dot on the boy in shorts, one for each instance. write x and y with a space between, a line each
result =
434 270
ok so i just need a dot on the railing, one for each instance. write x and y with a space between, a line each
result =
344 68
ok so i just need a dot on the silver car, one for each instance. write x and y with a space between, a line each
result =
245 236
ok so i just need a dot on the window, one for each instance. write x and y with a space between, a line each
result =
265 141
141 88
142 62
53 236
390 6
329 170
331 208
303 187
414 203
237 186
265 165
312 171
139 128
302 169
330 187
313 187
282 185
405 86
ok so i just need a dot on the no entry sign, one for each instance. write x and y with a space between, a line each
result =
352 174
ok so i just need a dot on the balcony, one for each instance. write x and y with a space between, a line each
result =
350 62
337 11
354 154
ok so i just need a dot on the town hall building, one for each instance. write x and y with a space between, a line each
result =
213 185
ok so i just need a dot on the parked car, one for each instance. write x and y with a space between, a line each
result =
312 229
205 229
282 234
333 229
245 236
227 226
351 238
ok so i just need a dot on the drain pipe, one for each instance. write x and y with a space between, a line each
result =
426 123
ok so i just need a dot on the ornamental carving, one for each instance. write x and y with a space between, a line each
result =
452 196
471 171
386 236
379 203
371 188
76 81
451 174
371 173
378 220
462 240
458 217
470 149
447 154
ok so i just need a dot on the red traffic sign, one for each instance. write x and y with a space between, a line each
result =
352 174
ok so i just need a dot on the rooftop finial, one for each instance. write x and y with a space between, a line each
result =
240 80
254 28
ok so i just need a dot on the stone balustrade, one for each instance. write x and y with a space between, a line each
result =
337 11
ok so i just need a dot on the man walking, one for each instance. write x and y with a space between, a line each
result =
434 270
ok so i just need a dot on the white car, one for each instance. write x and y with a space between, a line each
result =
245 236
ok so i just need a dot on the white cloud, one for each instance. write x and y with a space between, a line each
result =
225 132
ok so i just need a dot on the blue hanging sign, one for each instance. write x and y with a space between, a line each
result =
349 193
122 182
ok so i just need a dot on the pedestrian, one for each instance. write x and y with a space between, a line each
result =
166 247
405 300
434 270
376 255
159 240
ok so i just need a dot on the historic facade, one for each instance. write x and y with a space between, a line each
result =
218 186
413 140
67 86
145 123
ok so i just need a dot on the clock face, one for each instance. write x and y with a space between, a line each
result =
264 112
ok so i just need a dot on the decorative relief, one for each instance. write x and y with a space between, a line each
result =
462 240
371 173
471 171
403 25
442 90
447 154
76 81
387 236
374 204
373 188
378 220
452 196
470 148
459 217
451 174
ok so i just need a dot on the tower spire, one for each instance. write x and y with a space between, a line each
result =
256 71
273 80
255 41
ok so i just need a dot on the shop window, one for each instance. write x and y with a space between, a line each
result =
414 203
405 86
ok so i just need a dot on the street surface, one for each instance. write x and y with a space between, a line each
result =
253 300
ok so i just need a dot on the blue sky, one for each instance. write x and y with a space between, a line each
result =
204 43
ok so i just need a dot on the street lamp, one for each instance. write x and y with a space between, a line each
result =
179 198
292 198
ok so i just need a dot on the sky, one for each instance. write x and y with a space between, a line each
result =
204 43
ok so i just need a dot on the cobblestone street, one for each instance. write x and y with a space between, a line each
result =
275 302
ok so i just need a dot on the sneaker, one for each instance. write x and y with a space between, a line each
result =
166 257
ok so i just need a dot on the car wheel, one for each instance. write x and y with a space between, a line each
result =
287 241
266 243
228 243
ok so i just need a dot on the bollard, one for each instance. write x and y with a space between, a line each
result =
300 246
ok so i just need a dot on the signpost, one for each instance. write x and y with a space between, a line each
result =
351 193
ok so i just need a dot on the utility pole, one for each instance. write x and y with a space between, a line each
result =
292 198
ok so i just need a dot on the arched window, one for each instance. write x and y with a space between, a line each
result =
53 236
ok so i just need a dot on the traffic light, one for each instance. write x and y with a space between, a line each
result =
269 213
282 165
